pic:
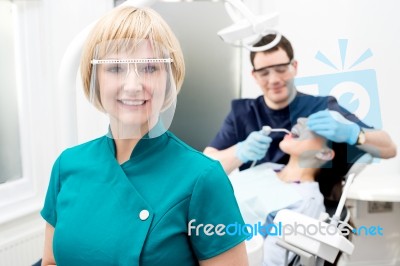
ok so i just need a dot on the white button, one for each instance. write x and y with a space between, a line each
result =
144 214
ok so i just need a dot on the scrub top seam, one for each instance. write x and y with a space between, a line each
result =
168 212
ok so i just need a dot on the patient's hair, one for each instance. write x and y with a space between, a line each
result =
332 173
331 177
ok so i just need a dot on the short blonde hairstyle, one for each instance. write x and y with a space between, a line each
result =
126 22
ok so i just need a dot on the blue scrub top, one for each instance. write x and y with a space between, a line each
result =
248 115
137 213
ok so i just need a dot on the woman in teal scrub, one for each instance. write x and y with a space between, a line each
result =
138 195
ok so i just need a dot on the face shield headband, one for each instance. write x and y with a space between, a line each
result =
132 81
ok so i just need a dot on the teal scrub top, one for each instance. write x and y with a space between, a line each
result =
138 213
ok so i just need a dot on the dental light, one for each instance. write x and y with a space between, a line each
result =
248 28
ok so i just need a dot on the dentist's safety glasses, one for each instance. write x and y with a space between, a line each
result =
132 81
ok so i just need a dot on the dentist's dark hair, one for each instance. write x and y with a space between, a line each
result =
284 44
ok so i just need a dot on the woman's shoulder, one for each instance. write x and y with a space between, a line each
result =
184 153
87 149
186 149
84 146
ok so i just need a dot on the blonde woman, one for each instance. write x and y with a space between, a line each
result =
138 195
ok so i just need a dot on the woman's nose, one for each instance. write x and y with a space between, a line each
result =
132 80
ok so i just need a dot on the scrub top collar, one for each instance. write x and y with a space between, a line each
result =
156 131
145 146
268 110
282 111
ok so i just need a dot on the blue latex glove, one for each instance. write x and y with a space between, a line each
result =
333 126
254 147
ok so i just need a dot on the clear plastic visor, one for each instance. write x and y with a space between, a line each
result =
132 82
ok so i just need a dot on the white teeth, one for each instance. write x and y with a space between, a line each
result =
132 102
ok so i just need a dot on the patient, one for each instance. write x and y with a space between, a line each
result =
311 179
308 153
261 192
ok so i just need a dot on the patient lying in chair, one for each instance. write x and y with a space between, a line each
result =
262 192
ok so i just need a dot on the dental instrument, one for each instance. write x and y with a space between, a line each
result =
266 131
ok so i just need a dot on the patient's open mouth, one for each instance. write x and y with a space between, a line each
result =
295 133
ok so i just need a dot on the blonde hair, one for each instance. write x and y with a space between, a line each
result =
131 23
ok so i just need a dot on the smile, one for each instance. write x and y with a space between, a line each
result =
133 102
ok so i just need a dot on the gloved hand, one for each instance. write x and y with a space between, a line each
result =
333 126
254 147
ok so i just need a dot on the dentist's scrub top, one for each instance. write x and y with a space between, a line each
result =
138 213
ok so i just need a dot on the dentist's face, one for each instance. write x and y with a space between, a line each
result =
132 94
274 73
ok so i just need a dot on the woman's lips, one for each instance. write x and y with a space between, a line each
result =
132 102
288 136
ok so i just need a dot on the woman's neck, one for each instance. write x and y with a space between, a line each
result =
126 138
297 171
124 148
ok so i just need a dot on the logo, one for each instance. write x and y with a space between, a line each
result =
346 229
281 230
355 90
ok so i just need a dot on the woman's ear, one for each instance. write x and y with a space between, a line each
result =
325 154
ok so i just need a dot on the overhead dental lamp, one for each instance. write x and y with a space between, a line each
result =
248 28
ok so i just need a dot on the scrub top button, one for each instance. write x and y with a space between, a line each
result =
144 214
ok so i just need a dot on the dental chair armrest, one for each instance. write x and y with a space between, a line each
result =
313 236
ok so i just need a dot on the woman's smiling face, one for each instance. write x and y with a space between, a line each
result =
132 90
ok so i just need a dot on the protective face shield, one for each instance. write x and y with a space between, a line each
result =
132 81
300 130
314 150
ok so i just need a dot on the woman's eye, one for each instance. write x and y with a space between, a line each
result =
115 69
148 69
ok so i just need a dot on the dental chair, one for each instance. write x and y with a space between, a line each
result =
323 248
